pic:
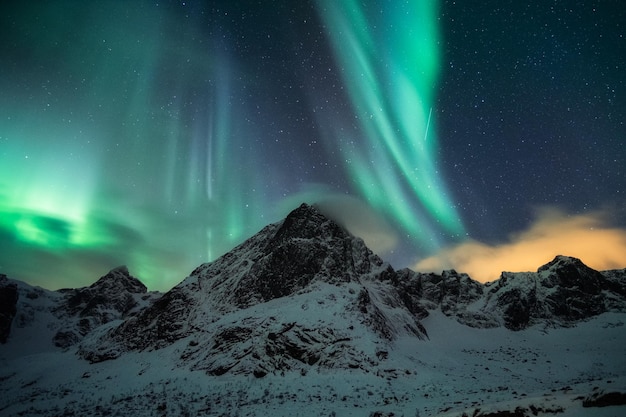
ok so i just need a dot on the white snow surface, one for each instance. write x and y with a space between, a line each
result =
458 369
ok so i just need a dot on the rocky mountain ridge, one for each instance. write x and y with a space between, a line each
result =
300 295
251 311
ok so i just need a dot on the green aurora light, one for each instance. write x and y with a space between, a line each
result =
152 141
392 97
118 146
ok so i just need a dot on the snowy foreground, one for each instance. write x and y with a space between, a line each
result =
458 370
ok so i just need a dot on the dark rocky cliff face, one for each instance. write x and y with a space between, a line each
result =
112 297
449 291
561 292
306 247
8 304
111 293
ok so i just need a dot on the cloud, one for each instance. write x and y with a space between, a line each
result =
359 218
588 237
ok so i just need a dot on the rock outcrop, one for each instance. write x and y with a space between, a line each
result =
8 306
113 297
561 292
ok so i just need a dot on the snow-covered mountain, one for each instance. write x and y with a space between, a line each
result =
562 292
303 316
299 293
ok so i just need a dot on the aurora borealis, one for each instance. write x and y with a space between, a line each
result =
161 134
392 100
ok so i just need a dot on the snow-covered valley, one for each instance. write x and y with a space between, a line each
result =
458 370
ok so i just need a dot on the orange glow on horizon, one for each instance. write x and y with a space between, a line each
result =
586 237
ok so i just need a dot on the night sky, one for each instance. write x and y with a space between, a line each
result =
476 135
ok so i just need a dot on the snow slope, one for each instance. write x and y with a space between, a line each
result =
459 369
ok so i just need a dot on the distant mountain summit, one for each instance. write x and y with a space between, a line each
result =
560 293
113 297
301 294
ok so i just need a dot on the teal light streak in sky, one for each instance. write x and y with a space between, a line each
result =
389 60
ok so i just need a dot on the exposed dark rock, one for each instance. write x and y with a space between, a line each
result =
111 292
8 306
306 247
569 272
561 292
410 289
518 412
306 222
451 292
65 339
602 399
112 297
158 325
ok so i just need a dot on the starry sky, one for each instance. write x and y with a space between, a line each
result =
476 135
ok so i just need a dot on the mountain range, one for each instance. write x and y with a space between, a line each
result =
303 317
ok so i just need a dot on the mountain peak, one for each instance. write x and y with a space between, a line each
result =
570 272
303 294
112 297
305 247
119 280
563 291
561 261
307 222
